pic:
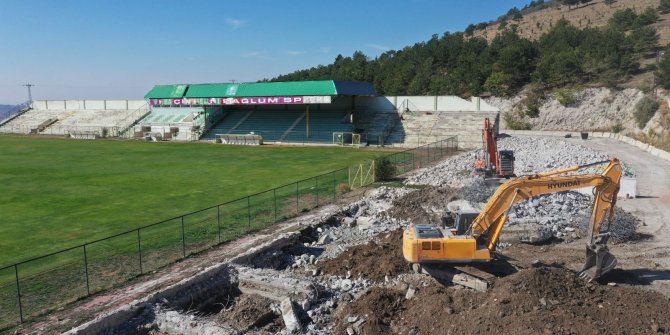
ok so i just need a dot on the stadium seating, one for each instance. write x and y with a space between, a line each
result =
322 124
229 120
287 126
62 122
167 116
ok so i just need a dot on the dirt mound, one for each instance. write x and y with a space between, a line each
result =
425 205
543 300
252 311
374 260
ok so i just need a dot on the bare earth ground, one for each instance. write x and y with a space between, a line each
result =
543 297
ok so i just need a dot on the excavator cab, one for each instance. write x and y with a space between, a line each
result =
459 221
506 168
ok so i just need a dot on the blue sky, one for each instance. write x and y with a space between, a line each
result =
104 49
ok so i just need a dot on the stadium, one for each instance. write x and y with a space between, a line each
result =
306 112
113 189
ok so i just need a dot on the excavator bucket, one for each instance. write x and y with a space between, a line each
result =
598 262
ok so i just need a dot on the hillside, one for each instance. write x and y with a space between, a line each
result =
592 44
594 14
541 64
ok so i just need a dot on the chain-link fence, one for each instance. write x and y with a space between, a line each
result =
36 286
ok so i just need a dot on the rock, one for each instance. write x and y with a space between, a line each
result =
349 222
611 284
352 319
410 293
538 235
570 229
350 331
655 328
543 302
305 304
288 313
358 324
346 284
324 239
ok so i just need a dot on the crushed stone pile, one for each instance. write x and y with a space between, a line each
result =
532 154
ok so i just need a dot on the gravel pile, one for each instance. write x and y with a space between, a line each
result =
532 155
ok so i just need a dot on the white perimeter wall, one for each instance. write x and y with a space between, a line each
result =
446 103
88 104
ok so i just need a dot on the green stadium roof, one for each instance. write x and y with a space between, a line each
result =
272 89
167 91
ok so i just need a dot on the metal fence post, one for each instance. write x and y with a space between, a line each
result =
139 250
274 196
183 238
249 211
218 220
18 292
88 287
334 186
316 182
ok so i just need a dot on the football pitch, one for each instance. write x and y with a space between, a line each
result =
58 193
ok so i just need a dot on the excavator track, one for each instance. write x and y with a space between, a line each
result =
464 275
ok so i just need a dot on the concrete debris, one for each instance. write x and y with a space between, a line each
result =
290 270
288 313
410 293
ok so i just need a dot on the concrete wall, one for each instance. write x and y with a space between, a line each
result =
446 103
88 104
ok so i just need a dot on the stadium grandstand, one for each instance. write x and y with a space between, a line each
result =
296 112
76 118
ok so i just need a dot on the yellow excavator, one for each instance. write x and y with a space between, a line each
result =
472 237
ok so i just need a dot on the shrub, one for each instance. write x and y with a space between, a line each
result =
384 169
617 127
566 96
516 123
343 188
644 111
532 109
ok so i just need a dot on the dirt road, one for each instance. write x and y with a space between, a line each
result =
649 258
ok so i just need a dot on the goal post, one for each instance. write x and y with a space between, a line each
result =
346 139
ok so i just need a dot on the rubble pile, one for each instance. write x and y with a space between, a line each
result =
345 274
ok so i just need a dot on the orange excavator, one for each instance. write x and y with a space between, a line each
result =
472 237
495 163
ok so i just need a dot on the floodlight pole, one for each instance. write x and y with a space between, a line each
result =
30 95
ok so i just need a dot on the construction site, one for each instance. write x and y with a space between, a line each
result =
341 269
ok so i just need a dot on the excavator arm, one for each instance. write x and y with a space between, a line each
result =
492 218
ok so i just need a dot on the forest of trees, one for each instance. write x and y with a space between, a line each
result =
456 64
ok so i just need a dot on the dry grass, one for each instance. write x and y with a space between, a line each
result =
596 14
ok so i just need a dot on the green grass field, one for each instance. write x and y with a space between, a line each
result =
58 193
